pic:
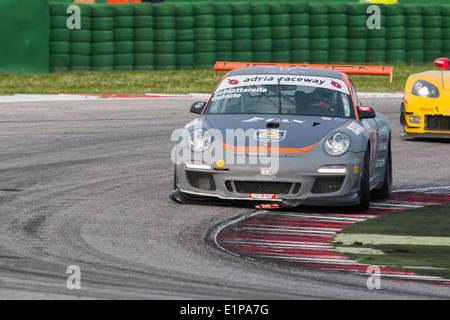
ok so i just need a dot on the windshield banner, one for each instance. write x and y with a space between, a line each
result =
235 83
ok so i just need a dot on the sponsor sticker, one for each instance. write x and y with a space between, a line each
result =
220 163
262 196
336 84
267 206
364 109
256 119
355 128
270 135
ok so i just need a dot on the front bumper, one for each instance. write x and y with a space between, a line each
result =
430 121
297 181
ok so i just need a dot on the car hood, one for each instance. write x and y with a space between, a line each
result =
446 80
292 132
441 79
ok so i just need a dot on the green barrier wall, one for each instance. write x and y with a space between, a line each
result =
25 37
185 35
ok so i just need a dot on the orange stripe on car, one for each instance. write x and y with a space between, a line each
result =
266 149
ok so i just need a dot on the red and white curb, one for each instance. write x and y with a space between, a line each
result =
304 240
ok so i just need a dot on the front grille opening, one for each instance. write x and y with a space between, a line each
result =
263 187
437 122
327 184
297 187
229 186
201 180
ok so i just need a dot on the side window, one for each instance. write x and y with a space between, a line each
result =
346 104
357 103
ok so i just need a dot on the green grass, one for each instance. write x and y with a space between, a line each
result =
120 82
168 82
423 259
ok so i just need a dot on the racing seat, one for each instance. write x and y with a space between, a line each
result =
301 102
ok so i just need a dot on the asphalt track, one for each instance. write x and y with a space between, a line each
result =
86 183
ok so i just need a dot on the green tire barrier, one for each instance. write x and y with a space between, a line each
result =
186 35
123 45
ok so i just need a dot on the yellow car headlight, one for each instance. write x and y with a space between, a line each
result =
415 119
425 89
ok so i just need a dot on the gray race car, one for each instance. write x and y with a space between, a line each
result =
278 137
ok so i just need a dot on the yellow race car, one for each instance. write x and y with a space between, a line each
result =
425 111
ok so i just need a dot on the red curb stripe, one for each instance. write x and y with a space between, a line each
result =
291 240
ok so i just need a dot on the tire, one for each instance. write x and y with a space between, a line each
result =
280 32
80 35
59 47
319 56
80 48
364 184
102 36
261 20
79 60
143 22
102 10
184 9
102 48
102 23
59 60
376 56
125 9
298 44
143 34
165 9
281 56
205 21
357 56
123 47
242 21
123 34
318 8
124 22
143 9
59 34
319 32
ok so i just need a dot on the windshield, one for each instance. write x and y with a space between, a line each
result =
296 95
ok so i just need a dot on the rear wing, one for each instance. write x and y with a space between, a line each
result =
348 69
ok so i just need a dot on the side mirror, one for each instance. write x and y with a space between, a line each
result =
366 112
197 107
443 63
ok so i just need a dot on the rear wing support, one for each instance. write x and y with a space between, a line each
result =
348 69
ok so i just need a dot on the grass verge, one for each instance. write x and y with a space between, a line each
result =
416 240
168 82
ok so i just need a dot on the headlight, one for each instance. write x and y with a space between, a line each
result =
199 140
337 144
415 119
425 89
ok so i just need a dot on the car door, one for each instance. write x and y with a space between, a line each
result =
377 156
